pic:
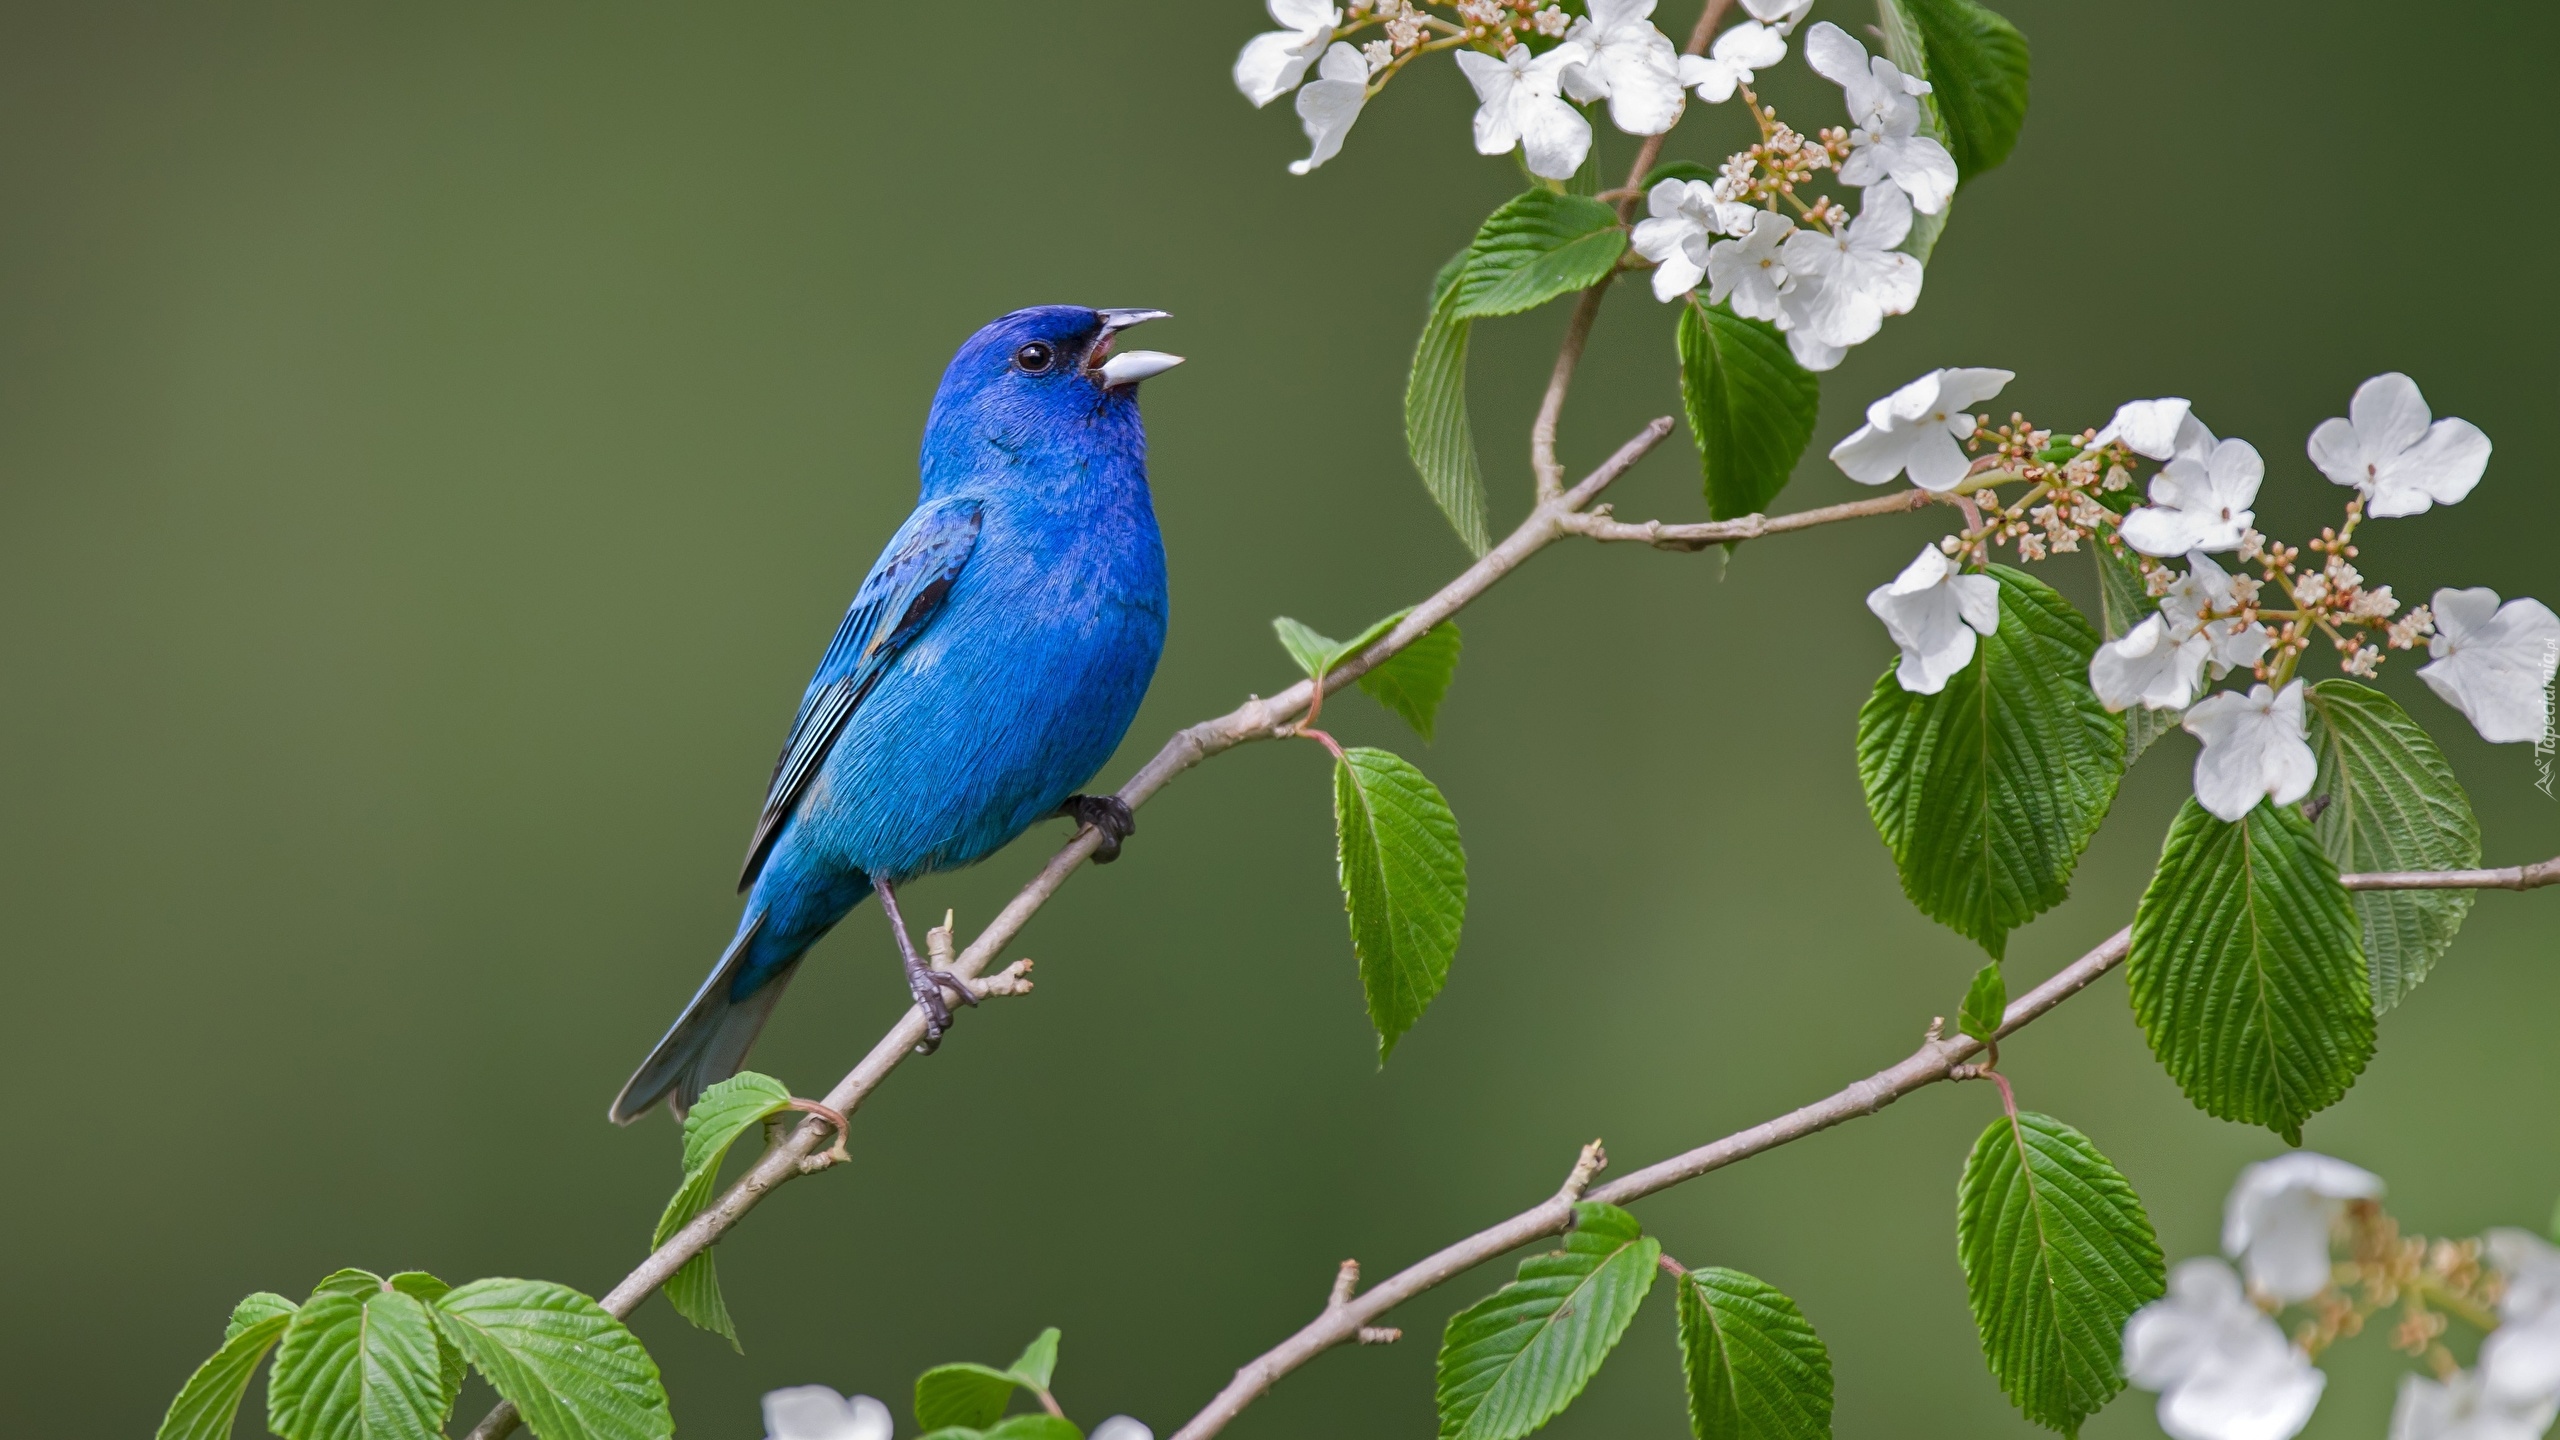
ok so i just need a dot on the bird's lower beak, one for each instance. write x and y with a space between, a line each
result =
1129 366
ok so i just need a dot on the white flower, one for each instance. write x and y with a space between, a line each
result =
1933 613
2386 448
2253 750
2521 1358
1846 282
1121 1427
1916 429
2194 596
2492 661
814 1412
2277 1218
2147 666
1330 104
1629 62
1751 271
1520 107
1734 60
2463 1408
1780 15
2198 503
1884 117
1271 62
1687 216
2161 429
2223 1370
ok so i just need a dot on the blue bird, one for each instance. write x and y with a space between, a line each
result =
989 665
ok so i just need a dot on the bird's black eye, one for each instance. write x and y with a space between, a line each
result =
1035 357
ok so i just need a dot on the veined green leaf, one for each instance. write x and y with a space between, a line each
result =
2124 602
1513 1360
1755 1369
2393 804
1987 791
1019 1427
360 1365
1404 882
1437 432
1751 407
2247 974
1415 679
2057 1255
1538 246
1412 682
253 1308
725 1112
210 1400
570 1367
966 1397
1976 64
1986 1001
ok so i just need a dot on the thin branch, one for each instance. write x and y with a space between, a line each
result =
1543 463
1598 524
1936 1060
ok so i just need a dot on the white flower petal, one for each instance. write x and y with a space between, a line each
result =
1121 1427
2495 663
1328 107
2148 668
2277 1218
2223 1370
2253 750
815 1412
1933 614
2464 1407
2390 448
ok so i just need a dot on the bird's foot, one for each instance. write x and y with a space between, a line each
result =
1110 819
927 987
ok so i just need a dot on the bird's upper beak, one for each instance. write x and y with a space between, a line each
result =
1129 366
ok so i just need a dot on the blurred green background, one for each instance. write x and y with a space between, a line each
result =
438 440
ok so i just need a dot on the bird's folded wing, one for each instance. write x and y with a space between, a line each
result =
901 596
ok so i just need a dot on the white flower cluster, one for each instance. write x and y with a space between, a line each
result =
2224 1370
1829 283
2491 660
815 1412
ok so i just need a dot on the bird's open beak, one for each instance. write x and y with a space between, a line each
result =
1129 366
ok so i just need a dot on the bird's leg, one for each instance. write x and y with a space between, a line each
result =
924 983
1109 818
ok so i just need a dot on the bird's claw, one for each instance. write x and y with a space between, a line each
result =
1110 818
927 987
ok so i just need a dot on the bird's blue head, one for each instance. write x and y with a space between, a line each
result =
1041 391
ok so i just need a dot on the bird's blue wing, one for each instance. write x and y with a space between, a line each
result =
900 597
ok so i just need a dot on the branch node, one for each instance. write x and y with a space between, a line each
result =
811 1164
1937 1029
1590 1162
1346 1280
1379 1335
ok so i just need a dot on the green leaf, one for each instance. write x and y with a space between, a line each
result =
1437 432
725 1112
1513 1360
1976 64
1986 1001
360 1365
570 1367
351 1282
2123 602
1987 791
1404 882
2057 1255
1751 407
1313 652
1538 246
2247 974
210 1400
254 1308
966 1395
419 1285
1755 1369
1415 679
1038 1361
2393 804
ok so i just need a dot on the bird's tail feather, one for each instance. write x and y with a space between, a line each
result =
708 1042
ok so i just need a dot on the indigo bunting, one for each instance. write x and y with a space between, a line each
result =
989 665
